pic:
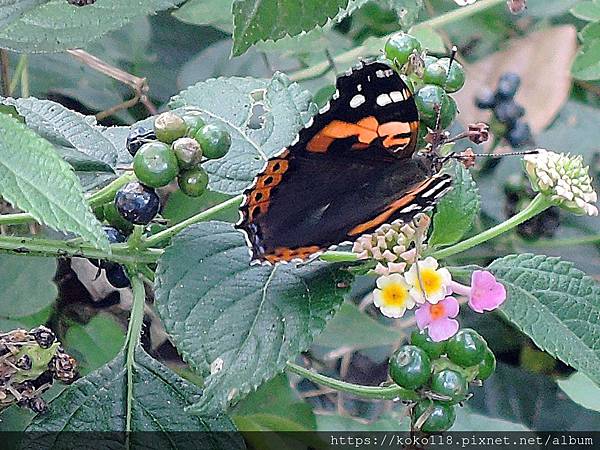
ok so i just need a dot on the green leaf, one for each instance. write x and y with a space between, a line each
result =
237 104
234 323
582 390
98 402
590 32
35 179
556 305
261 20
353 328
429 38
95 343
456 211
27 286
66 128
52 26
407 10
586 65
467 420
587 10
216 13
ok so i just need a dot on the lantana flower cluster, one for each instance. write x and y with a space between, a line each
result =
405 282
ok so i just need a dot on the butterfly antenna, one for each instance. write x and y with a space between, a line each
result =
459 156
452 59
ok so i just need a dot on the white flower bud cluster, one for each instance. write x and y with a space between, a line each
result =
564 179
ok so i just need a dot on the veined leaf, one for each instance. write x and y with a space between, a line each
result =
35 179
261 20
234 323
587 10
262 117
38 26
556 305
586 65
216 13
99 401
456 211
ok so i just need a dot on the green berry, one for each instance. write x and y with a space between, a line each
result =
466 348
450 383
428 98
169 126
214 141
435 72
188 152
400 46
155 164
422 340
487 366
193 120
455 77
112 216
441 417
410 367
193 182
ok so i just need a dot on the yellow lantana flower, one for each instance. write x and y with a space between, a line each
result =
392 295
433 280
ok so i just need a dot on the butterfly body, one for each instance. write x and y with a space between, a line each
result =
349 171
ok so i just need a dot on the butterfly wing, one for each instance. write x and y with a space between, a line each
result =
349 172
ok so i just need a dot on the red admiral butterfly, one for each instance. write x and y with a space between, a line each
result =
350 170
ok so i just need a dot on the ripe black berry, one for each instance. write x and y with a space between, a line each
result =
114 236
137 203
508 85
116 276
138 137
519 134
508 111
486 99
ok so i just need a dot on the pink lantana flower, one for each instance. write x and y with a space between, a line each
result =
438 319
485 293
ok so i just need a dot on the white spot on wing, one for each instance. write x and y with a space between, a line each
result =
357 100
397 96
359 87
383 99
410 208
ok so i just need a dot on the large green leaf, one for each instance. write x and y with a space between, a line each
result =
99 402
555 304
456 210
27 285
234 323
216 13
35 179
256 135
586 65
582 390
261 20
35 26
587 10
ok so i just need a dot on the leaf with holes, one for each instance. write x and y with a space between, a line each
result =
234 323
100 402
456 210
262 117
261 20
35 179
556 305
37 26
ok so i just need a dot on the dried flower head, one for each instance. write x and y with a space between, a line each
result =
563 179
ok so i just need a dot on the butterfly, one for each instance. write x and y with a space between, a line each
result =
352 169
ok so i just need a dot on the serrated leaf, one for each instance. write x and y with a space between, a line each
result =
66 128
587 10
586 65
27 286
238 103
556 305
52 26
35 179
235 323
98 402
261 20
582 390
216 13
455 212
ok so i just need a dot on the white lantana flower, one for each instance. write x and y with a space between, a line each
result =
434 281
392 295
564 179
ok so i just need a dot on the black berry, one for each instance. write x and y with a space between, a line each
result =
114 237
508 112
137 203
138 137
116 276
508 85
519 134
486 99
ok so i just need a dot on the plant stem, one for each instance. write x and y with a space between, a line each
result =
167 234
336 256
120 253
537 205
17 74
104 195
25 77
374 392
373 47
136 320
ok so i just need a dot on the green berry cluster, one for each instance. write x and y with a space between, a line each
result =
432 79
30 362
440 372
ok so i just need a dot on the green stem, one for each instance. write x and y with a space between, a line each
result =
167 234
100 197
25 77
136 320
373 392
17 74
364 50
336 256
537 205
120 253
